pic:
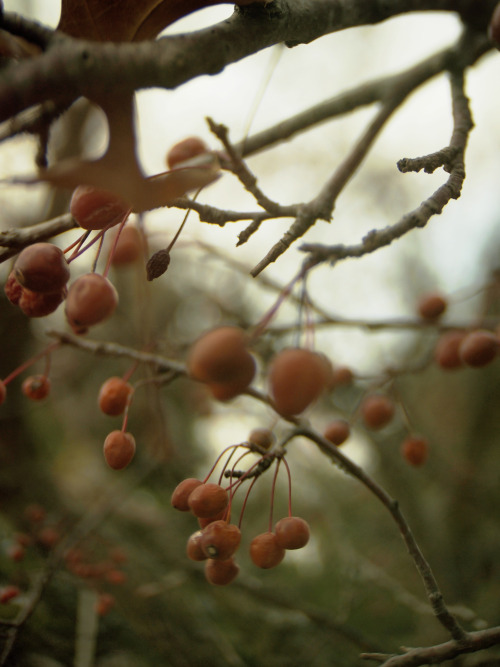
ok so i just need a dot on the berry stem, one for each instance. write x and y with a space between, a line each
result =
226 449
287 467
245 500
273 490
115 243
20 369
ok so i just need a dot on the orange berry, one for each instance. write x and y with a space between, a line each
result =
446 352
478 348
377 410
296 378
337 431
265 551
207 500
292 532
182 492
185 150
119 449
221 572
128 248
42 267
93 208
114 395
36 387
105 602
415 450
220 540
193 547
221 356
431 306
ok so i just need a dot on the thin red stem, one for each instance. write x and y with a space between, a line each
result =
115 243
285 463
273 489
30 362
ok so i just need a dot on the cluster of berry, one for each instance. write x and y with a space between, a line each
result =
217 539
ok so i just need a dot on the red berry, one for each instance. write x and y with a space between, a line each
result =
446 352
93 208
478 348
193 547
105 602
182 492
36 387
91 299
42 267
8 593
207 500
16 552
296 378
265 551
13 289
221 357
116 577
220 540
292 532
431 306
415 450
185 150
203 522
128 248
119 449
221 572
114 395
377 410
48 536
35 513
337 431
40 304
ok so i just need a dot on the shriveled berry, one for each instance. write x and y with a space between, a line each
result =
114 395
377 410
13 289
207 500
40 304
265 551
220 540
119 449
221 572
91 299
193 547
337 431
185 150
42 267
296 379
415 449
431 306
292 532
446 352
93 208
478 348
182 492
36 387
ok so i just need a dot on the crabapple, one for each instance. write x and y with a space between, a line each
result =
377 410
415 449
337 431
182 492
220 540
431 306
478 348
91 299
292 532
36 387
185 150
114 395
42 267
207 500
446 352
93 208
221 572
119 449
265 550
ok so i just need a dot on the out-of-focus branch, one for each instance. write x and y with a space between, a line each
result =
433 205
14 240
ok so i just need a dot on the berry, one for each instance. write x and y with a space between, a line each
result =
36 387
220 540
128 248
119 449
3 392
207 500
265 551
91 299
93 208
292 532
193 547
446 352
262 438
48 536
185 150
431 306
296 379
13 289
16 552
221 357
40 304
415 449
182 492
114 395
337 431
8 593
221 572
105 602
42 267
228 390
116 577
377 411
478 348
35 513
342 375
203 522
